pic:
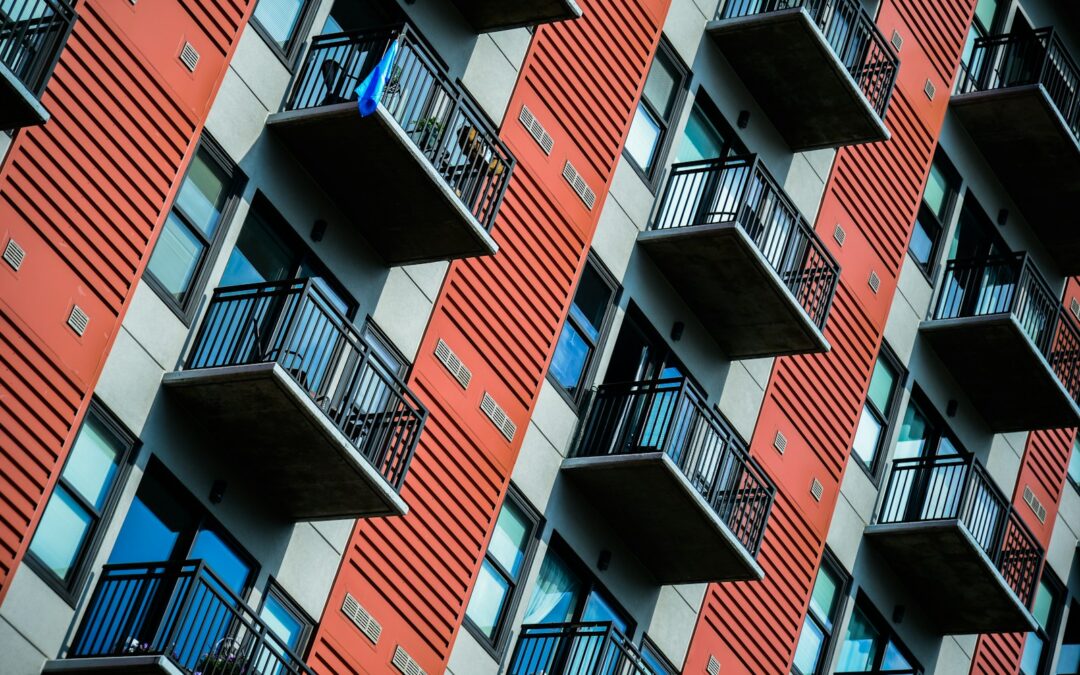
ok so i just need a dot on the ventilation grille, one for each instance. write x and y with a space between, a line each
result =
1031 500
580 186
780 442
930 90
78 320
713 668
363 620
450 360
536 130
874 281
897 40
498 417
816 489
839 235
189 56
14 255
405 663
1074 307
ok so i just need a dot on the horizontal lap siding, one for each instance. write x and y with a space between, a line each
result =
83 195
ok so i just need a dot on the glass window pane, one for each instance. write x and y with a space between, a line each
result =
259 256
937 191
660 86
176 256
1074 463
510 539
203 192
282 622
893 659
556 594
1044 602
913 434
571 354
279 18
221 558
808 651
701 140
93 463
861 645
642 141
823 599
882 384
591 301
923 238
867 437
1033 647
656 663
985 11
488 599
61 533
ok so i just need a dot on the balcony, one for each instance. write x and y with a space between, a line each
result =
32 35
831 83
1008 343
423 177
575 649
743 258
492 15
298 399
708 501
1019 99
958 544
168 618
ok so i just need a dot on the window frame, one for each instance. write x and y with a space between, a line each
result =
185 311
290 54
70 590
1074 456
887 418
651 176
649 645
275 589
832 564
497 645
373 332
1049 634
886 632
588 372
955 181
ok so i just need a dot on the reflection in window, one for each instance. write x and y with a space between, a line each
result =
1036 656
656 110
821 617
280 19
939 196
580 336
877 410
869 645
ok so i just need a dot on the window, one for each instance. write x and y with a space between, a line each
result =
1069 658
1038 645
567 592
281 23
878 411
707 135
656 110
938 200
385 350
285 619
983 24
68 534
826 602
1074 464
496 593
655 659
590 313
193 228
870 645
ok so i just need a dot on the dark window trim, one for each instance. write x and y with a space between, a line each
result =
588 373
956 181
497 647
591 581
830 562
373 331
186 310
71 590
885 630
1074 451
887 418
289 56
734 144
1049 635
648 644
273 587
651 177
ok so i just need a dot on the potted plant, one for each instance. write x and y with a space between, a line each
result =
221 664
428 131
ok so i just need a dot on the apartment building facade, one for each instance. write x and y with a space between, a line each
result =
637 337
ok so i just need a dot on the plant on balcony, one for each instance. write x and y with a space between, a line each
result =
221 664
427 130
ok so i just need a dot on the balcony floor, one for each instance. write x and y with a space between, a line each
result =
305 466
1006 378
383 183
804 88
737 295
674 532
18 105
491 15
108 665
1035 156
952 577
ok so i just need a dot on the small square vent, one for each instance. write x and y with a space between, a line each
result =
498 417
930 90
780 442
1074 307
14 255
897 40
874 281
453 364
405 663
839 235
816 489
363 620
1036 506
584 192
713 667
536 130
78 320
189 56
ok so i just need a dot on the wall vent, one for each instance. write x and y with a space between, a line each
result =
816 489
362 618
874 281
536 130
780 442
78 320
930 90
1036 506
897 40
498 417
839 235
14 255
405 663
453 364
1074 307
713 667
189 56
580 186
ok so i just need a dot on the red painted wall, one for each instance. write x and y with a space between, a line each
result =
84 194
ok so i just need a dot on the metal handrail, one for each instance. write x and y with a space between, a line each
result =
295 324
1027 58
669 416
1011 284
585 648
740 189
849 30
957 487
183 611
32 35
438 115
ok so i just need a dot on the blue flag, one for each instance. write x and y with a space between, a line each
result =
370 91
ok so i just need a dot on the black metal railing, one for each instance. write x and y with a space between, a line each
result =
851 33
294 324
669 416
589 648
1010 284
1027 58
184 612
957 487
32 35
740 189
439 115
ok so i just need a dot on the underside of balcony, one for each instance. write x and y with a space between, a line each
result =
492 15
18 105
